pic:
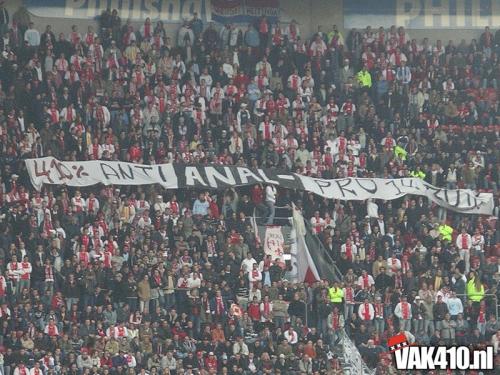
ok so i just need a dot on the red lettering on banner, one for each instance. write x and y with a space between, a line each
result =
43 172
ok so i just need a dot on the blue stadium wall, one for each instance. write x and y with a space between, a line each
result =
437 19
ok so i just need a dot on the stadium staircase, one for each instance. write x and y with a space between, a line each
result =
348 355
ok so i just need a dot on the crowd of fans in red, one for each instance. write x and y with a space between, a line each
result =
115 280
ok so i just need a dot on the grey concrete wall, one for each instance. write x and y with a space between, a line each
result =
308 13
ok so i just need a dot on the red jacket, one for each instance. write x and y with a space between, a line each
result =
211 363
134 153
254 311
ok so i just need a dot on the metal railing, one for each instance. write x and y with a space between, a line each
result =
353 363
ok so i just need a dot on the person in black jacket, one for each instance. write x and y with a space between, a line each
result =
297 308
440 310
383 280
47 38
119 290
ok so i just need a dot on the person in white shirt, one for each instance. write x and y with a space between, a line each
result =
227 67
317 222
403 313
142 204
254 276
21 369
101 113
92 205
160 205
239 347
478 244
403 74
393 265
32 36
255 293
194 281
444 293
205 76
366 312
78 205
247 264
68 114
264 67
318 47
131 361
270 203
145 220
495 342
365 281
464 244
455 305
349 249
291 336
36 370
266 310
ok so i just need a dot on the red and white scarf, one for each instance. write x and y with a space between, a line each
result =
366 311
405 310
366 283
335 321
465 242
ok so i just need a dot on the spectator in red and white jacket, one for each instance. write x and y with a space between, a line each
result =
78 206
317 47
14 272
317 223
25 277
464 245
51 329
349 249
266 310
254 276
3 288
365 281
21 369
366 312
36 370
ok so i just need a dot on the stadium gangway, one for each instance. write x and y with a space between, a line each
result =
352 361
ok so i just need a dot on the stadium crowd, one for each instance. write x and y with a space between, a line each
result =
139 280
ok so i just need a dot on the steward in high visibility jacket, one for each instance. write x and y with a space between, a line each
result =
400 153
336 294
364 78
445 231
418 173
475 294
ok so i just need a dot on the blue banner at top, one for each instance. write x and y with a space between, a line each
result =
136 10
422 14
240 11
168 11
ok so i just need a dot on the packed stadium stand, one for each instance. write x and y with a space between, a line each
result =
257 279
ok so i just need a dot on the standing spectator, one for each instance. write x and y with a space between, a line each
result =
32 36
403 313
4 19
144 293
464 244
270 203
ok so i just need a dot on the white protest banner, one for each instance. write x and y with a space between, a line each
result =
49 170
274 242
